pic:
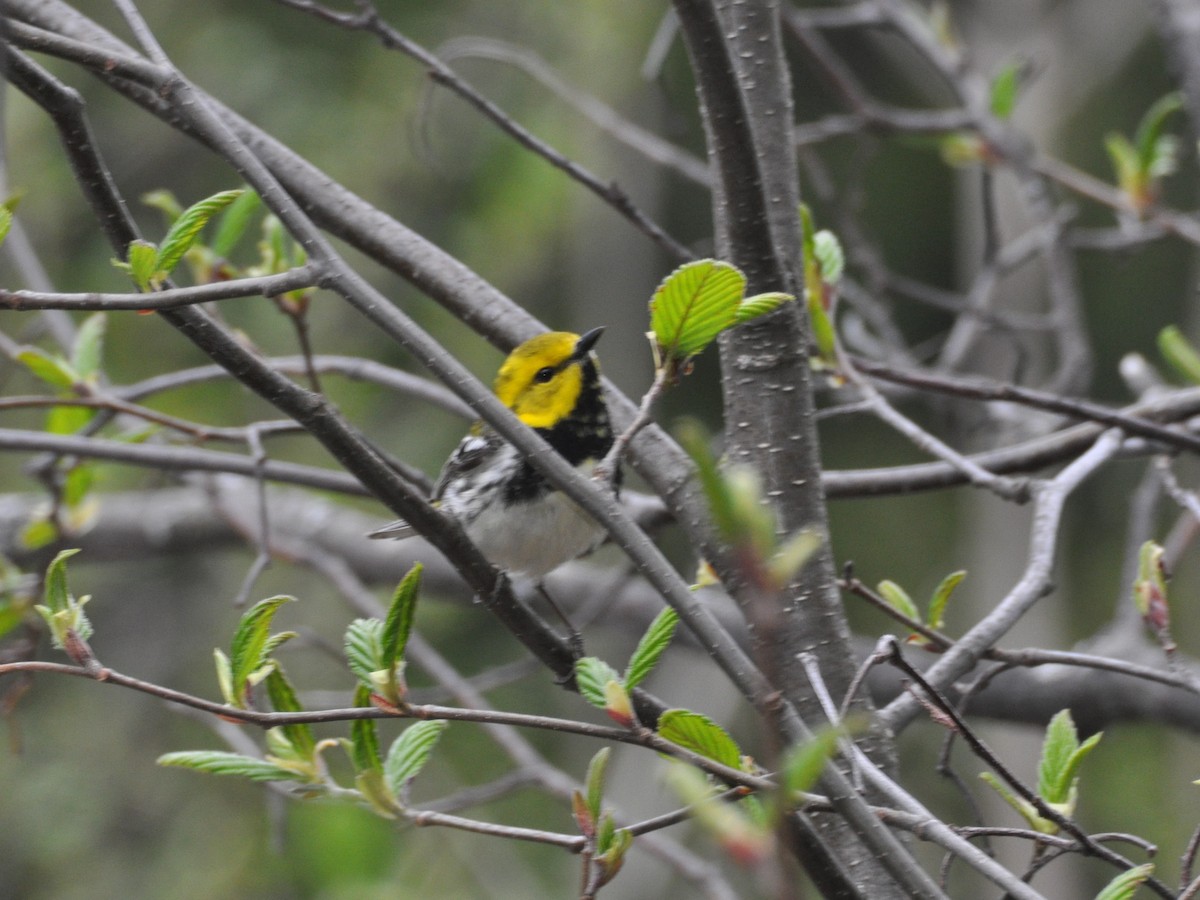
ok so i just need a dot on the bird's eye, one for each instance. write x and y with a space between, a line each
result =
543 375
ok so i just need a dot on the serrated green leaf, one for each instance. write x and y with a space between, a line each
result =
1125 885
187 227
591 675
1058 747
693 305
898 599
650 648
252 641
595 782
410 752
88 351
234 221
53 370
217 762
364 738
941 596
398 625
283 699
760 305
701 735
1179 353
364 648
804 763
831 260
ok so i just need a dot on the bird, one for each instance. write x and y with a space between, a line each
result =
522 523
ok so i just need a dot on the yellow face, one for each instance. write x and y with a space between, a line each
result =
539 381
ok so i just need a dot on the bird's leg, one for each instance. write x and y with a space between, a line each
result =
573 635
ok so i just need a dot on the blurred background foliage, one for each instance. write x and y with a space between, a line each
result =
83 810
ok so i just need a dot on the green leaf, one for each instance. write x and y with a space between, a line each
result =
1058 747
595 781
693 305
1004 89
234 221
187 227
937 603
6 221
88 351
78 483
410 752
701 735
650 648
1125 885
53 370
617 705
1179 353
38 533
612 857
57 597
792 554
225 677
1149 135
691 437
140 264
68 419
831 260
364 739
898 599
284 699
364 649
591 675
400 617
760 305
217 762
803 764
252 642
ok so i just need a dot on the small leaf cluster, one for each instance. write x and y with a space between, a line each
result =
74 375
374 651
695 303
250 659
746 829
744 521
824 265
63 612
150 264
1143 162
934 619
601 685
607 843
1058 774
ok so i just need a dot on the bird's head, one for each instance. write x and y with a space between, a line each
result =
542 379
